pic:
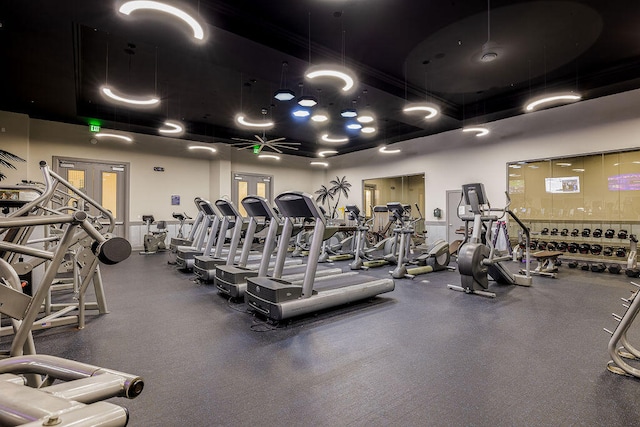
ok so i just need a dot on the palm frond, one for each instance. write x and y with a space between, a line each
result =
5 159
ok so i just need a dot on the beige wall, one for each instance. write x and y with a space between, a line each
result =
150 191
603 124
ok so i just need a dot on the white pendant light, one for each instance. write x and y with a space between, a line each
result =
131 6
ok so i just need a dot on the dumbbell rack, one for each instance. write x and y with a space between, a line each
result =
620 350
615 242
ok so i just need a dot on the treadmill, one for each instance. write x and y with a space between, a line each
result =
231 280
185 254
205 264
279 299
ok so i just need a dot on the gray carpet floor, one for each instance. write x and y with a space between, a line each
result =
422 355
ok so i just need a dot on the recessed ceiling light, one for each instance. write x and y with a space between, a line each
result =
327 138
515 166
132 6
368 129
552 99
320 117
172 128
307 101
301 112
349 113
325 164
563 165
334 72
284 95
387 151
324 153
365 117
113 135
480 131
200 147
354 126
142 102
425 107
244 122
269 156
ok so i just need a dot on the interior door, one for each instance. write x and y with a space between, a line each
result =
105 182
453 221
245 184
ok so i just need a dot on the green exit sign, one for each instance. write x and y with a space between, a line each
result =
94 128
256 149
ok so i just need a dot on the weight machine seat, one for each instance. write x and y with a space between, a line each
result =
545 255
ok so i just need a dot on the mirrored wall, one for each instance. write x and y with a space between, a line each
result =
407 189
597 187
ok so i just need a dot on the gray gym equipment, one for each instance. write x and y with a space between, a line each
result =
76 399
181 217
185 255
179 240
620 349
205 264
154 241
231 280
632 269
76 232
478 260
278 299
436 258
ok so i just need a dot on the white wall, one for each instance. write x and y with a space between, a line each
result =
602 124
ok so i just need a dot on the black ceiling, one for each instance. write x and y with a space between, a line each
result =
57 54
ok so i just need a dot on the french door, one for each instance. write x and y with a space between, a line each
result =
246 184
105 182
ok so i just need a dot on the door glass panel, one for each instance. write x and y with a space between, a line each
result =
110 192
76 177
243 191
261 189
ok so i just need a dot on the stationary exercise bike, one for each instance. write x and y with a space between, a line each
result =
154 240
477 257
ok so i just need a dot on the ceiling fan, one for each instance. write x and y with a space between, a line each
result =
262 142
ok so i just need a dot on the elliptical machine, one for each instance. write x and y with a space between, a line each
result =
477 257
154 241
436 258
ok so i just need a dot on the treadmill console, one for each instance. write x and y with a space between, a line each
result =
257 207
226 208
206 207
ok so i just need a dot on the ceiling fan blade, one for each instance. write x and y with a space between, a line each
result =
269 141
275 149
249 141
259 138
283 146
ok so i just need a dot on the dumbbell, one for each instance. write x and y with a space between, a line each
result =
615 269
598 267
